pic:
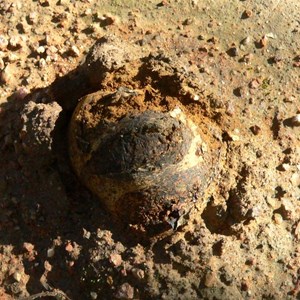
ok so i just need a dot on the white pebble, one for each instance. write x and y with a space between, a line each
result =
2 65
15 41
296 120
94 295
3 42
17 276
295 179
50 252
33 17
13 57
40 49
74 51
175 112
6 75
285 166
196 98
88 12
42 63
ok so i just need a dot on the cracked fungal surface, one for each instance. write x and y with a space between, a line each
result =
143 149
214 214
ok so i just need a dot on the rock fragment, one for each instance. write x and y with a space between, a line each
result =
297 231
246 41
116 259
254 84
247 58
255 129
108 19
288 209
32 18
247 14
15 42
295 179
6 75
39 121
295 121
2 65
74 51
262 43
3 42
125 291
233 51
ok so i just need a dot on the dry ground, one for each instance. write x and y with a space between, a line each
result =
243 243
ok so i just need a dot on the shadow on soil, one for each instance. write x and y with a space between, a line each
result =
43 202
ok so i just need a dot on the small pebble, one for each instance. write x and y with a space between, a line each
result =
74 51
288 209
255 129
254 84
245 285
296 120
245 41
23 27
297 231
196 98
239 91
273 202
17 276
277 219
86 234
2 65
47 266
87 12
28 247
230 110
63 2
42 63
233 51
51 50
125 291
274 60
44 2
271 35
289 99
262 42
187 22
210 280
3 42
40 49
247 14
162 3
285 167
94 295
12 57
33 18
138 273
108 19
5 76
69 247
116 259
15 42
247 58
250 261
50 252
175 112
295 179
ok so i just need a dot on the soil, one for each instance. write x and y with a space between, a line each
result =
232 67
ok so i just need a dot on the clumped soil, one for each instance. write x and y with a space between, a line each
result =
235 67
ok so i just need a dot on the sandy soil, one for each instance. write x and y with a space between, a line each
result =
233 66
